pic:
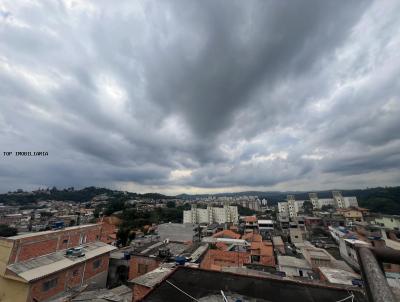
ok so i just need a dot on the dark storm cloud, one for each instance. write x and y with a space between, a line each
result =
206 94
246 47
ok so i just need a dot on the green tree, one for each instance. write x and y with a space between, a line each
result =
122 235
171 204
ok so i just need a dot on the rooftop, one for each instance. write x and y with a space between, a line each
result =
42 266
277 240
205 285
265 221
152 278
118 294
226 234
175 248
293 262
240 242
32 234
355 241
338 276
198 253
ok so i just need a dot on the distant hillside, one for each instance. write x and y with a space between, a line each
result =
82 195
380 199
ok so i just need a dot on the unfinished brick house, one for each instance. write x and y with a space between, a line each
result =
43 265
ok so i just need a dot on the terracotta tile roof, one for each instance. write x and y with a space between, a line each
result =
226 234
215 259
221 246
252 237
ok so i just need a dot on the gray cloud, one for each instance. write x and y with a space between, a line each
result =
210 95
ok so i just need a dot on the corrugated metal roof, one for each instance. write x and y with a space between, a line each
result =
45 265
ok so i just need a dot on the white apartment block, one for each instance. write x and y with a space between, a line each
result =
211 215
338 198
325 202
350 202
291 207
314 199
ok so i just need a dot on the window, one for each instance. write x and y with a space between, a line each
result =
82 239
75 272
255 258
47 285
96 263
65 241
142 268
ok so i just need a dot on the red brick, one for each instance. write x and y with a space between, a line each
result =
139 291
42 244
37 293
216 259
36 249
135 261
90 271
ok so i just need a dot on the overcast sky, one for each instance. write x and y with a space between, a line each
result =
200 96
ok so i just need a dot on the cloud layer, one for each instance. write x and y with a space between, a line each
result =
196 96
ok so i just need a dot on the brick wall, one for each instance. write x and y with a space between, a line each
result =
32 250
146 263
139 291
69 278
107 230
215 259
42 244
37 293
91 271
74 276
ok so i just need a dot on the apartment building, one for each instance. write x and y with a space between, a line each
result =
44 265
225 214
314 200
291 207
338 199
389 221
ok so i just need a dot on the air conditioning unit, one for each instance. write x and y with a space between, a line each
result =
77 252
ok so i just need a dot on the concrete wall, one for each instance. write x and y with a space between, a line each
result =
13 291
180 232
296 236
389 222
10 290
294 271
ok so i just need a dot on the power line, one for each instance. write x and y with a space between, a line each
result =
182 291
347 298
